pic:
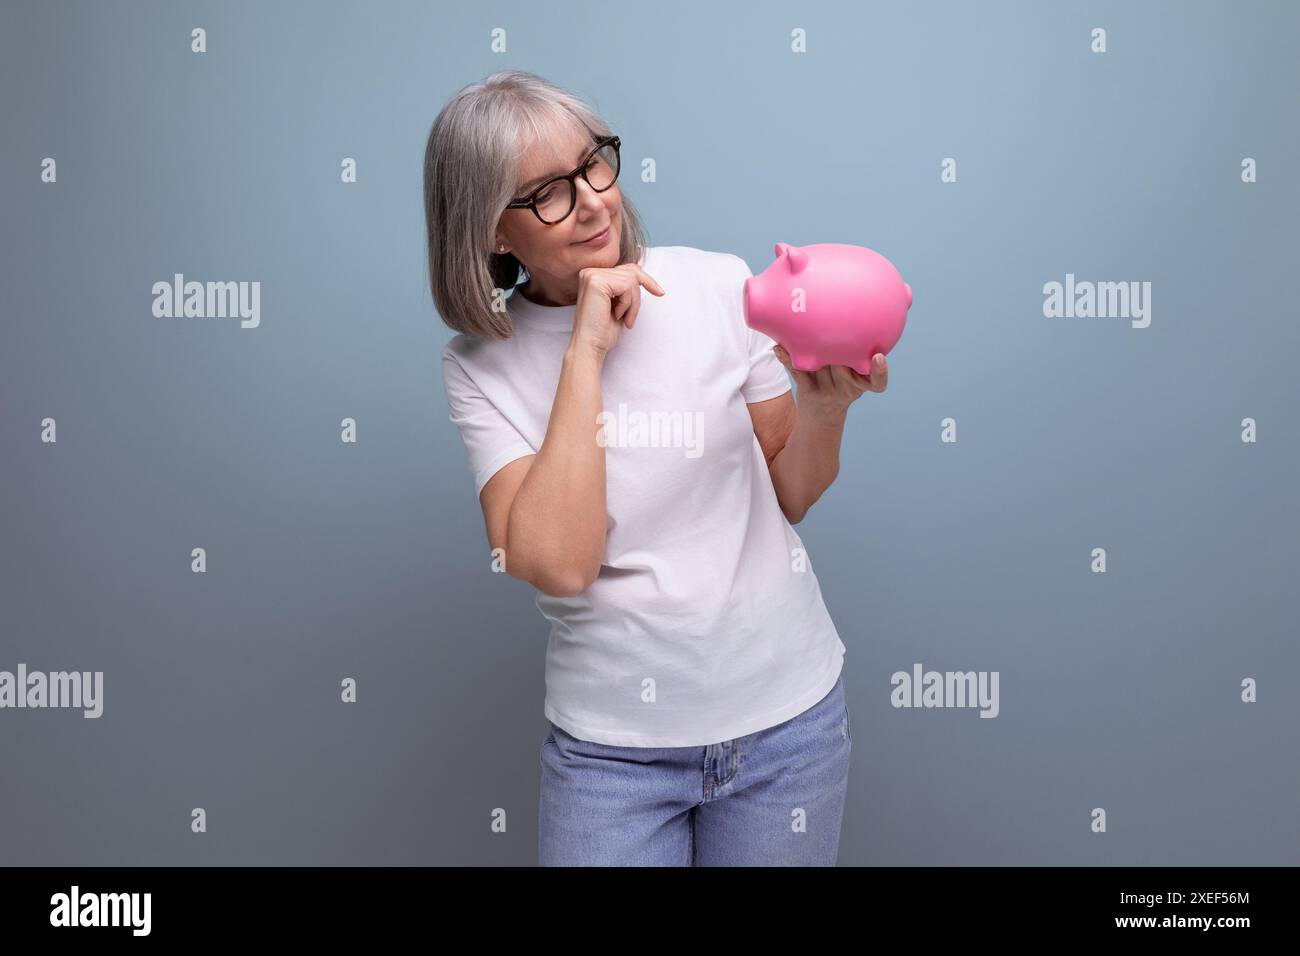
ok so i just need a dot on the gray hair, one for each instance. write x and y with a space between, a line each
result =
471 172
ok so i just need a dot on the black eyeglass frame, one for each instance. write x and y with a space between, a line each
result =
530 201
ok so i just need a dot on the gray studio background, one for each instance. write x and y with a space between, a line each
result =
1118 690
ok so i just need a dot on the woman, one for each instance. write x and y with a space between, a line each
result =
643 473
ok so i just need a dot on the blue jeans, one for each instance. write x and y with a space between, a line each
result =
771 798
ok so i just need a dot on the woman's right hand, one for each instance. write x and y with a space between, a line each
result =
608 300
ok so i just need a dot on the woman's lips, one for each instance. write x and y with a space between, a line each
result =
596 239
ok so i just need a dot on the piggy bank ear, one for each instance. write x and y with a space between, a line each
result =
798 258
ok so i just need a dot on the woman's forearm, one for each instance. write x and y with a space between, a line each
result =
810 460
556 530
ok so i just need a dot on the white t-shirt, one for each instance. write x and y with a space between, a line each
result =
706 622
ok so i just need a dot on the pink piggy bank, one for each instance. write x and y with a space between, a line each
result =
829 304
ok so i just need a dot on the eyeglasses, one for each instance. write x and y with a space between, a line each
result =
554 199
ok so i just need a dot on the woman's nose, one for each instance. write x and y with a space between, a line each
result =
588 197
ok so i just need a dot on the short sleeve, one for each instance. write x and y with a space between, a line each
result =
767 376
491 442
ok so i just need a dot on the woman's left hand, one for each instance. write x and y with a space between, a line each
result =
832 388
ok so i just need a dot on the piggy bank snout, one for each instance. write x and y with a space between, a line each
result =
755 296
